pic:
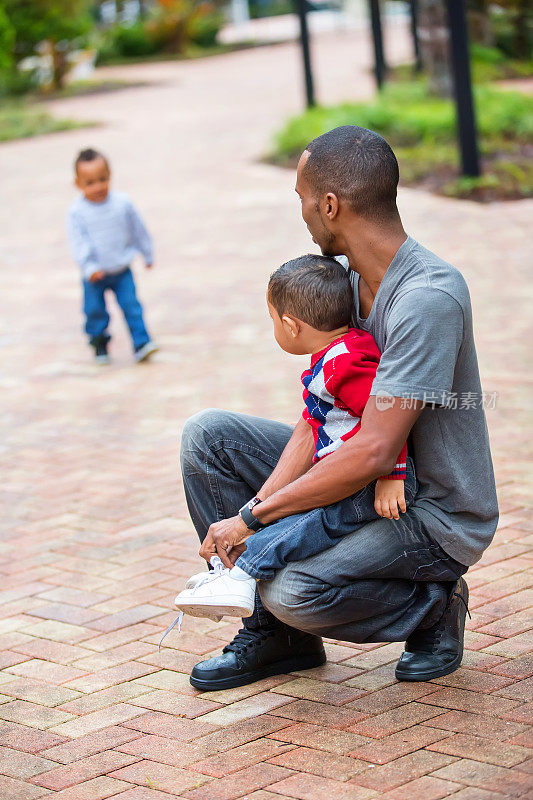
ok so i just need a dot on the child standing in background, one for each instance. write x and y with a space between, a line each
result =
105 232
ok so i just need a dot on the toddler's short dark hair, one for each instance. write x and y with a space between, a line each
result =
88 155
315 289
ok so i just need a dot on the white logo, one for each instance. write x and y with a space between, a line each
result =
384 400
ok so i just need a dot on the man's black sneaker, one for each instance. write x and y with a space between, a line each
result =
101 355
257 654
437 651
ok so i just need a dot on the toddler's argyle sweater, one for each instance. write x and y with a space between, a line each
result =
336 391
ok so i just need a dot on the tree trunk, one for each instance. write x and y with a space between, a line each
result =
59 67
523 26
433 37
479 23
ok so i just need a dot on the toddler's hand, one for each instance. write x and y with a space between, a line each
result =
389 498
97 276
150 266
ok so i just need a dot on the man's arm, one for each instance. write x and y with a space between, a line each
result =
296 460
367 455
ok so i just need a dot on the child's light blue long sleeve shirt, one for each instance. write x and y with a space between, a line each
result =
106 236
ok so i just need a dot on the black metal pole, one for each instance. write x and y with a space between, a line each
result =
301 7
380 67
460 62
413 5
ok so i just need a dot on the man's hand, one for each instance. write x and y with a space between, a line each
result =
226 540
97 276
390 498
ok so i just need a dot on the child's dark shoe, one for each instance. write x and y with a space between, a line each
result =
101 356
144 352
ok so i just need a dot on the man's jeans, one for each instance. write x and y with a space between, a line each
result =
306 534
377 584
97 318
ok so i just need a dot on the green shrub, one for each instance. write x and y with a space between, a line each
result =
203 29
491 64
14 83
106 50
513 30
169 28
62 24
407 115
7 41
270 8
130 41
179 23
486 55
422 131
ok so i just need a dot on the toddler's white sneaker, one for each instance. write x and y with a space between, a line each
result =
220 592
194 580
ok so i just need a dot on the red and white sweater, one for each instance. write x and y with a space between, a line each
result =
336 390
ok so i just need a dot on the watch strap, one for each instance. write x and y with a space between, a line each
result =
248 518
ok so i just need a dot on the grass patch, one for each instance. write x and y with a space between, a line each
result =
421 129
488 65
19 120
88 87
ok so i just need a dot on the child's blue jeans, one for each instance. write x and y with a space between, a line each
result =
306 534
97 318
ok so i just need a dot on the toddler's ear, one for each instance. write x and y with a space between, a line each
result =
291 325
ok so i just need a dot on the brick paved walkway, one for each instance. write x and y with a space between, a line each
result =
97 539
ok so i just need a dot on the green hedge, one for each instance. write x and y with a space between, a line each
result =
406 114
422 130
170 30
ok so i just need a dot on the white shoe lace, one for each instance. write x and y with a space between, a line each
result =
216 572
177 621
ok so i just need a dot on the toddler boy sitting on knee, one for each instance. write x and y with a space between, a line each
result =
310 300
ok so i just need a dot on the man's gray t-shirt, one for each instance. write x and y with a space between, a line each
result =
421 319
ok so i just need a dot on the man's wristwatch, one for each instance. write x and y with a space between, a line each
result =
247 517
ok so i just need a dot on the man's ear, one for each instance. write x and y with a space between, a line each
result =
331 205
292 325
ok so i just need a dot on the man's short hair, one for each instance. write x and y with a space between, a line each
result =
358 166
88 155
315 289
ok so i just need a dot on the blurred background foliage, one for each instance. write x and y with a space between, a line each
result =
54 29
51 31
421 129
415 111
46 46
168 26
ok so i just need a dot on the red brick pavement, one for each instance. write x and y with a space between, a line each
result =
97 539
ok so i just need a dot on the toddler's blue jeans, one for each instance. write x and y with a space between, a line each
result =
97 318
302 535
